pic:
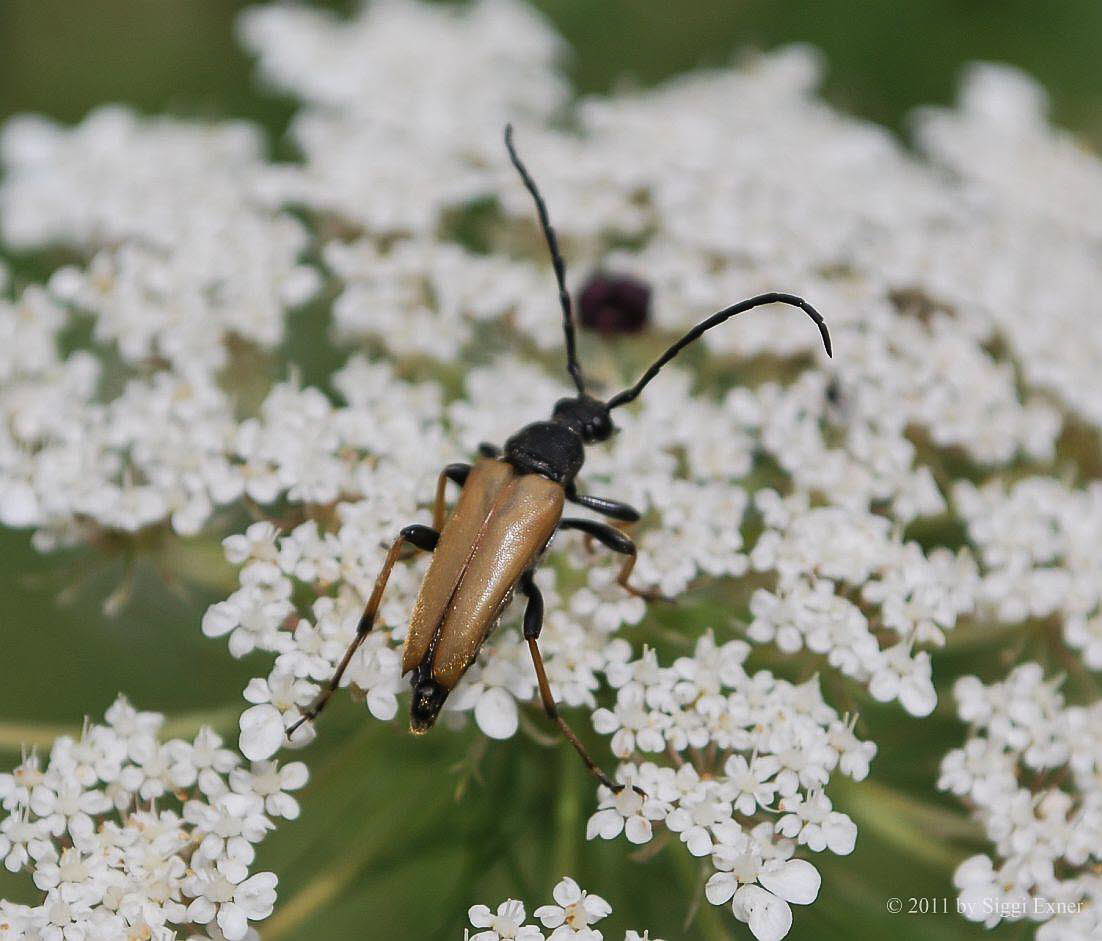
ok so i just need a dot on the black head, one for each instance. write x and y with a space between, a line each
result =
586 416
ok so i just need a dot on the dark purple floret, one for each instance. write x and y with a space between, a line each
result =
614 303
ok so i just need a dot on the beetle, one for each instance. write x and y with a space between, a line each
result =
510 506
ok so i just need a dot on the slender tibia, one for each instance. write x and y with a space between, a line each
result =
420 536
617 541
553 713
647 594
454 472
533 624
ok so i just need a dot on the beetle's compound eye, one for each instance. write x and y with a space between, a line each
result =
598 428
428 697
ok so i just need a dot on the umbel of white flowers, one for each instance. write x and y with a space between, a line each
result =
961 287
125 833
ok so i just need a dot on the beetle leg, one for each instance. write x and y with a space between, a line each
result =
613 509
454 472
533 613
623 513
423 538
619 542
489 450
533 623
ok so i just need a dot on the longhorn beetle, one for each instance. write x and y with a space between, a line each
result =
509 509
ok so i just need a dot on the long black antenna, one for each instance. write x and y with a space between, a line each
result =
556 261
715 320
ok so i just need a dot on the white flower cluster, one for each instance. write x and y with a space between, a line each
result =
1035 191
185 250
735 764
1031 770
130 836
999 136
569 918
1038 540
185 262
394 136
899 597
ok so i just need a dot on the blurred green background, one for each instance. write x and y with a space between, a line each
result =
385 846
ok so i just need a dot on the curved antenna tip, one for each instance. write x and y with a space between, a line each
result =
629 394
